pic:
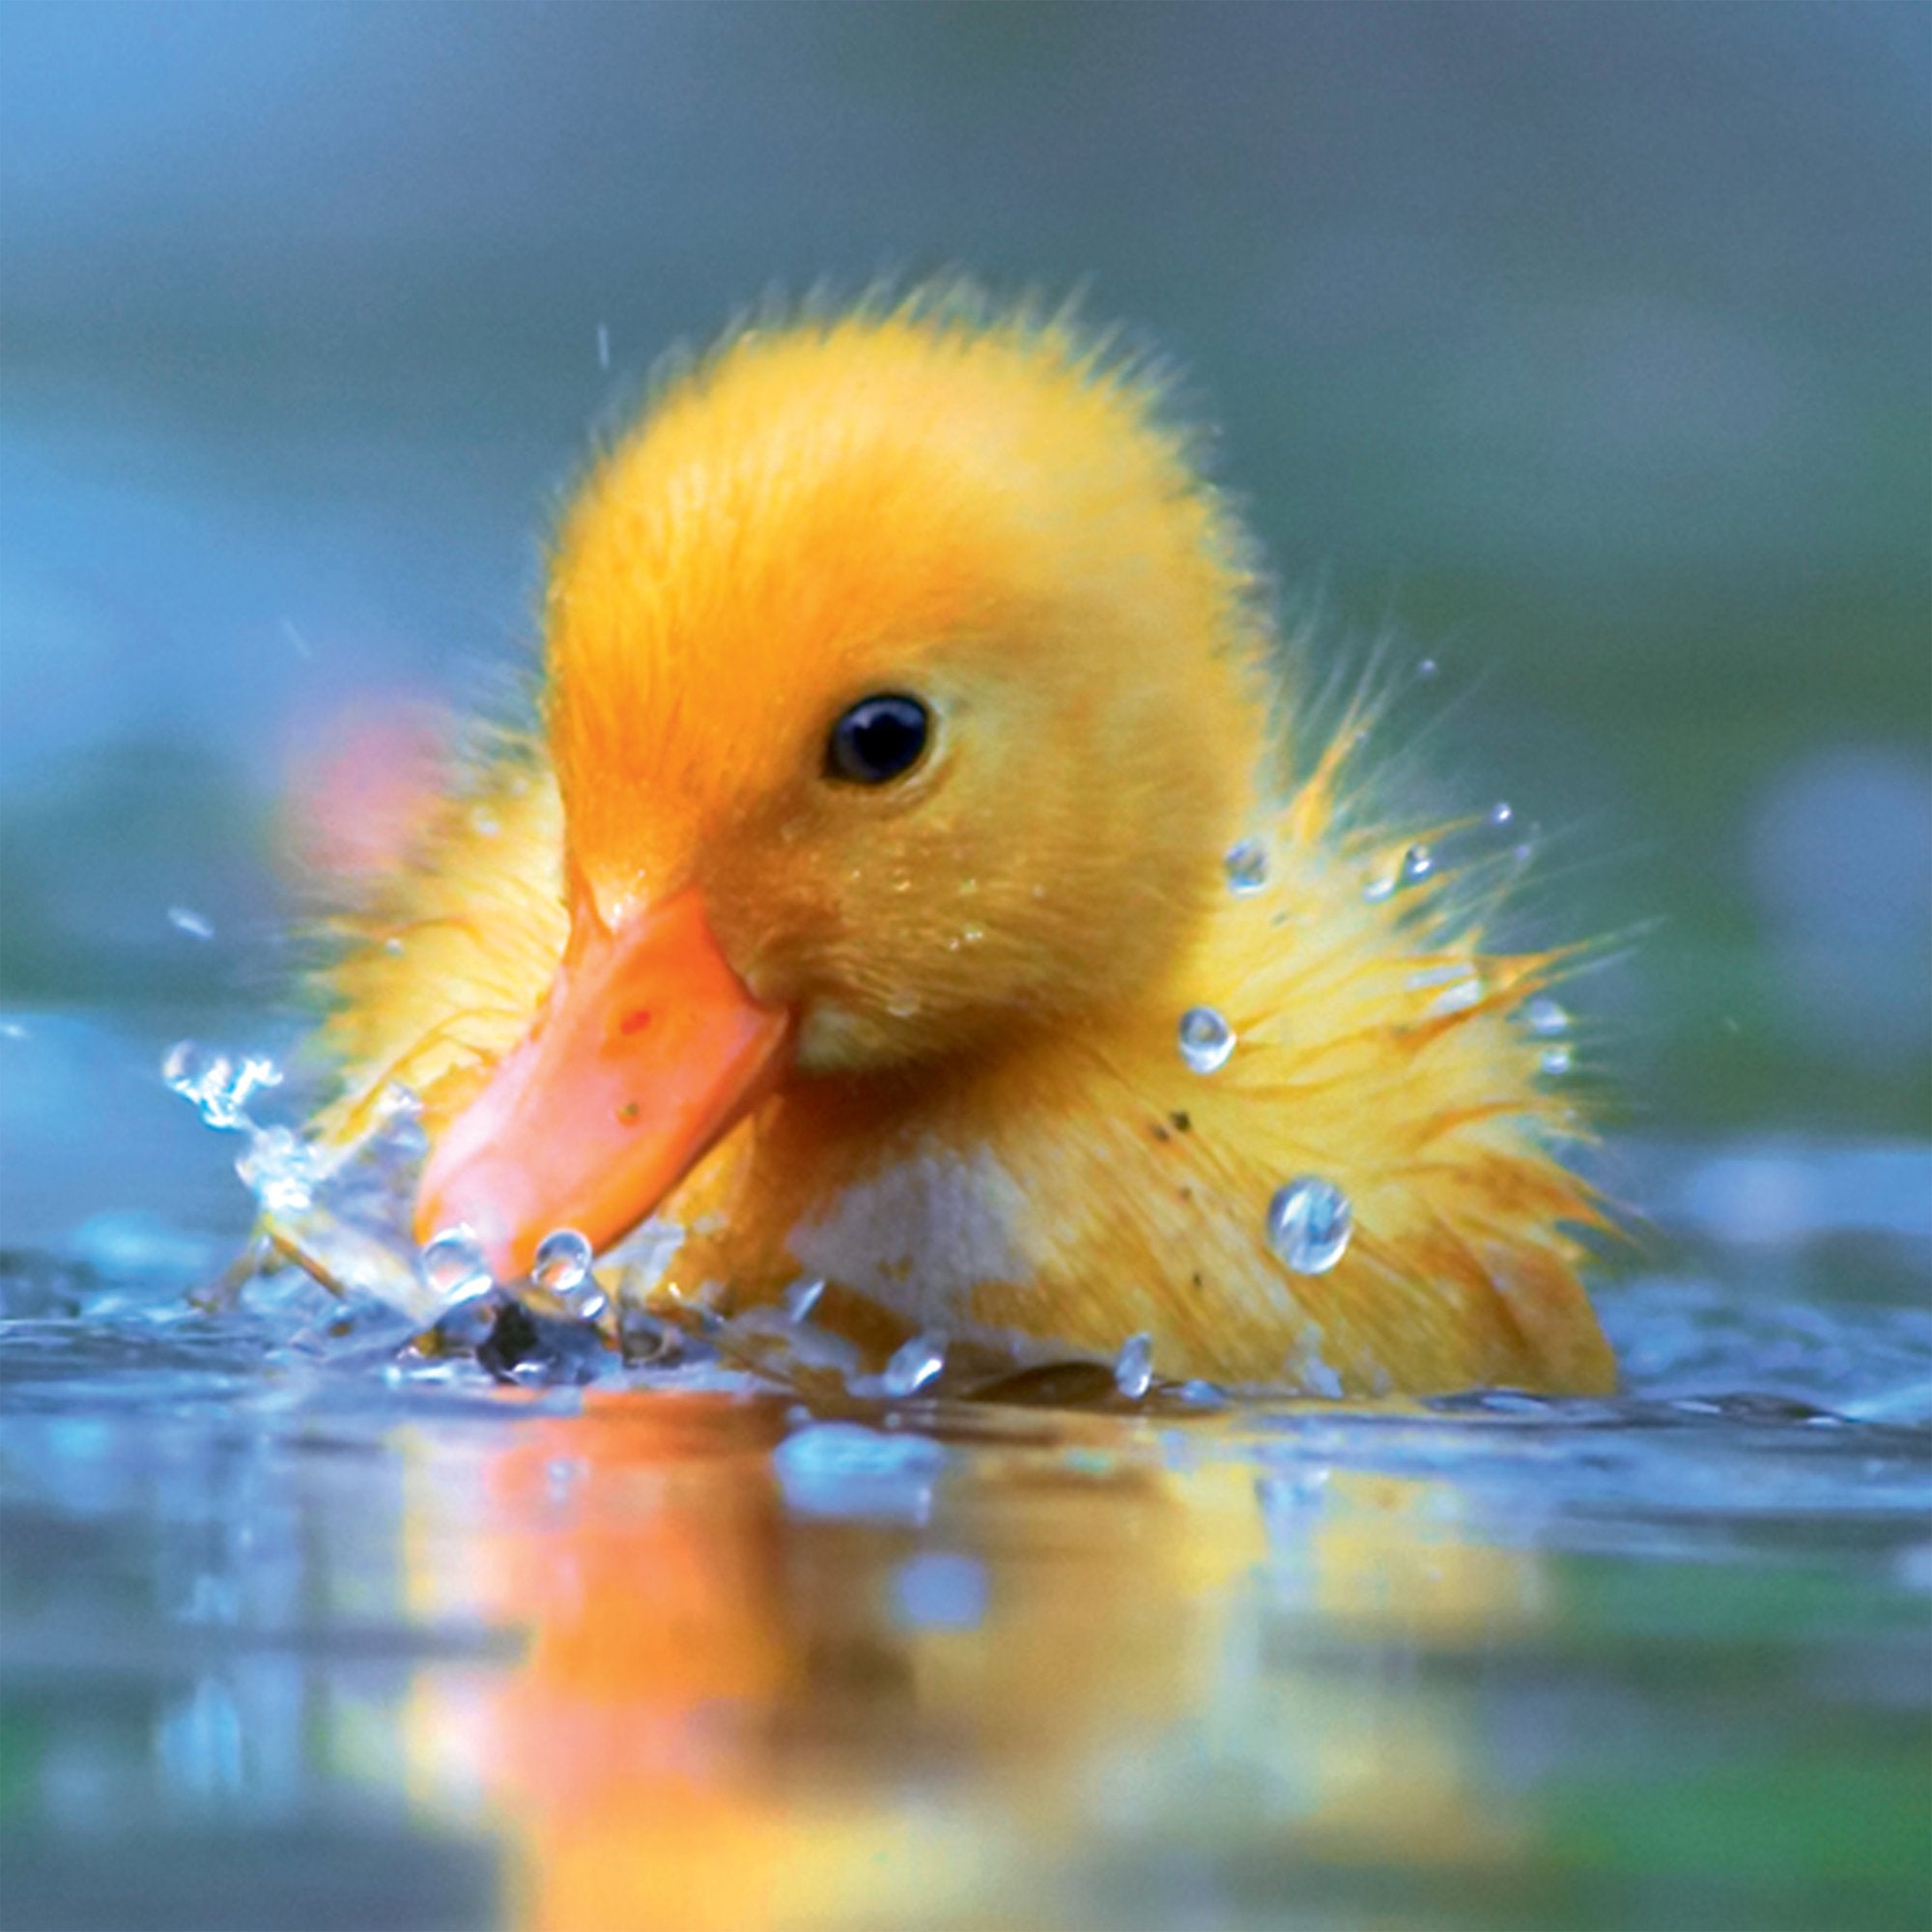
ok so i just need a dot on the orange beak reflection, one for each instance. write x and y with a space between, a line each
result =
647 1049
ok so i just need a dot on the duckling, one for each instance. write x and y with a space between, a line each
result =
908 887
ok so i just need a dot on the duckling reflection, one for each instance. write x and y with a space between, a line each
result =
858 1677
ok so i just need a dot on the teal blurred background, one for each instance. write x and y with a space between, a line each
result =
1586 346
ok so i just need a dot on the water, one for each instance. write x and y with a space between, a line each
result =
1308 1223
1206 1039
305 1628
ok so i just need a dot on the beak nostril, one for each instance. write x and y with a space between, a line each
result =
629 1112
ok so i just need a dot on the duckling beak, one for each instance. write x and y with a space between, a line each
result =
647 1049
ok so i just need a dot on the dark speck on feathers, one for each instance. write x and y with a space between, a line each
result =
1161 1133
1182 1123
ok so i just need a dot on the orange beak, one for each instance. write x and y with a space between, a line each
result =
647 1050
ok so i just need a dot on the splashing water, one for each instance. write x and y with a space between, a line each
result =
1309 1224
281 1170
218 1087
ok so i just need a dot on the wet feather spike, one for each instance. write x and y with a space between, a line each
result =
1104 1011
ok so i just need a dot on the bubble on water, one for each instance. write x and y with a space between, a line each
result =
1543 1019
281 1170
185 918
1309 1224
1427 669
1247 865
452 1261
801 1297
915 1365
1134 1367
1503 813
1417 862
216 1085
1206 1039
1555 1060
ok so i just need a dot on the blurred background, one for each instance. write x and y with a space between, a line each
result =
1585 346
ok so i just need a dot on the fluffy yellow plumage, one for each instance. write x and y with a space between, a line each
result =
956 1091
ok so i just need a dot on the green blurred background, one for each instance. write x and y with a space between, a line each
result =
1588 346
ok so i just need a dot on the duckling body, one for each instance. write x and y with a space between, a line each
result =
930 1045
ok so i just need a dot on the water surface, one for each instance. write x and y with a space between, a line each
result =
293 1640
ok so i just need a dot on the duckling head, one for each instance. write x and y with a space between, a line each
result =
903 689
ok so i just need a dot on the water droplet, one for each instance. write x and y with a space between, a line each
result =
485 824
185 918
1309 1224
1458 996
1555 1059
603 345
974 934
1543 1019
1427 669
563 1264
1501 813
1206 1039
1134 1367
1247 867
1378 890
452 1261
563 1261
801 1297
915 1365
1417 862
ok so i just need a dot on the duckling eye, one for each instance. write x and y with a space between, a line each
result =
878 739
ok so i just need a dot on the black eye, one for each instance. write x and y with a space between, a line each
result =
878 739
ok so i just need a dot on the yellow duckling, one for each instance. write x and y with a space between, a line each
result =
907 690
